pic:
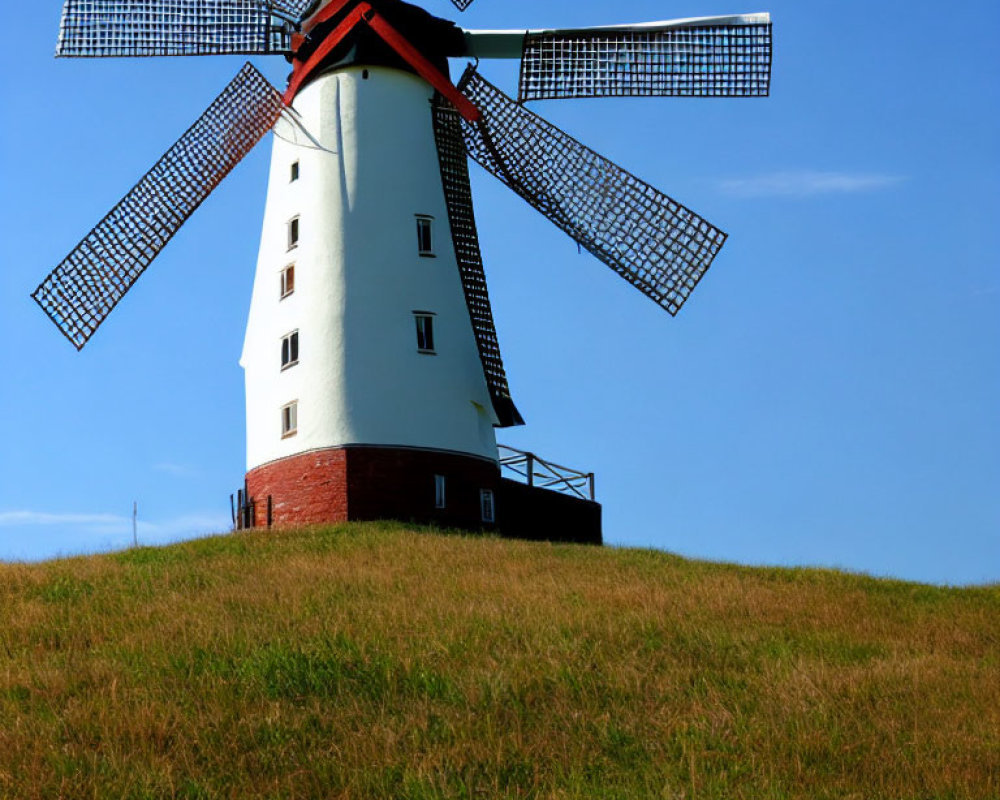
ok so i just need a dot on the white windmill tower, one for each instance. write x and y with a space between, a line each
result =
373 374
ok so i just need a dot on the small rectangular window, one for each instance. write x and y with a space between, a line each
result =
486 505
425 239
294 172
290 350
293 232
289 419
439 497
287 281
425 331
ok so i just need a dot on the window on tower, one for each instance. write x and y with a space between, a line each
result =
293 232
287 281
294 172
290 350
439 496
425 238
425 331
289 419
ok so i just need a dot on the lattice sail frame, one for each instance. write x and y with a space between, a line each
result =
658 245
83 289
294 9
458 198
99 28
716 57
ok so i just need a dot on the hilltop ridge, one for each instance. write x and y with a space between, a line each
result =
371 660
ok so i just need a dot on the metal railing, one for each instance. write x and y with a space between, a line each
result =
536 471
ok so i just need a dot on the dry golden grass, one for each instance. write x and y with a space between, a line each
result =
372 661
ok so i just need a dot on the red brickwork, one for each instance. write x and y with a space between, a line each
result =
304 489
389 483
367 483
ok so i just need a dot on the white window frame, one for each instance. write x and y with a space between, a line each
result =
425 228
440 495
294 171
294 232
488 505
287 287
292 340
424 333
289 419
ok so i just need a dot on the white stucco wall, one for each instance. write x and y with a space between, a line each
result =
367 166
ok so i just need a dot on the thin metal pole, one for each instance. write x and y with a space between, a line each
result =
135 524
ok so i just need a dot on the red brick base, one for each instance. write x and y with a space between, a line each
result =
303 489
368 483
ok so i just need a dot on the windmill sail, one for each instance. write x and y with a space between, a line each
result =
652 241
700 57
80 292
458 198
97 28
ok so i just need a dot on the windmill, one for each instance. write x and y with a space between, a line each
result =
374 380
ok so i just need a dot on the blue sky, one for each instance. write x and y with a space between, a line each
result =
829 395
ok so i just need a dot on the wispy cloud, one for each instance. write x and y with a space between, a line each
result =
807 183
10 518
177 470
29 534
111 521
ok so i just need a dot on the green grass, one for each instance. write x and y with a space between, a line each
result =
376 661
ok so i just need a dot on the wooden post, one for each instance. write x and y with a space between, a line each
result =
248 519
530 461
590 479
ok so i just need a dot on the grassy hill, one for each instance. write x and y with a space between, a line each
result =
374 661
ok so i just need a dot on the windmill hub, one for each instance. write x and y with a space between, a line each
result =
352 32
374 381
436 39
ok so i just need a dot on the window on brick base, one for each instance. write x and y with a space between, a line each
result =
486 505
290 419
439 496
